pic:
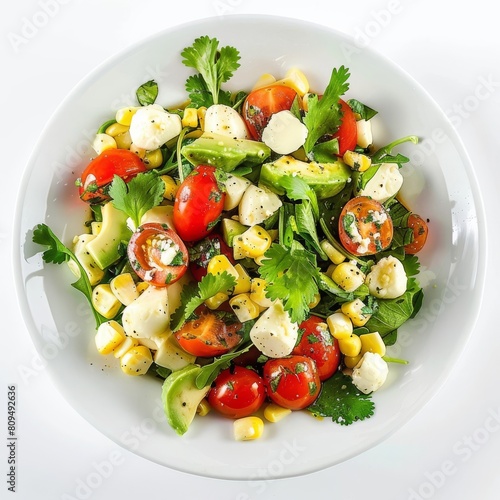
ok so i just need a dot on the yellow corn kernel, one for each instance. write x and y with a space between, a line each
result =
348 276
136 361
354 310
201 116
140 152
258 293
315 302
102 142
105 301
123 286
116 129
171 187
274 412
243 282
295 79
95 227
260 260
305 101
153 159
220 263
248 428
244 307
372 342
125 346
203 408
109 336
330 270
264 80
190 118
340 325
357 161
141 286
350 346
124 115
124 141
333 254
254 242
216 300
352 361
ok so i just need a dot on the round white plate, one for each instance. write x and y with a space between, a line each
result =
440 186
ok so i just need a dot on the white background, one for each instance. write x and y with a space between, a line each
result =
450 449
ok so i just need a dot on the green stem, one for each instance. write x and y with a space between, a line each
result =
388 359
386 150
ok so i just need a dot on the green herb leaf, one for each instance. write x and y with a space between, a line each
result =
147 93
297 189
384 155
306 226
361 109
342 401
57 253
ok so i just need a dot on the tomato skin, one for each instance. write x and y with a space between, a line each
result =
362 209
214 245
262 103
292 382
237 392
103 168
420 232
208 336
198 204
318 344
347 133
145 258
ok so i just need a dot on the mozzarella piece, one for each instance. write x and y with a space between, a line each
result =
224 120
170 354
370 373
147 316
274 334
364 131
387 278
162 214
257 204
284 133
386 182
235 188
152 126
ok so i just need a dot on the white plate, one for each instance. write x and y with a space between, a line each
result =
441 187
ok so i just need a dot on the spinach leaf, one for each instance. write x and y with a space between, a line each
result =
147 93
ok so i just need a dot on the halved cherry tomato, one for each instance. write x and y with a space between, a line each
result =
365 227
157 254
260 104
198 204
208 335
420 231
292 382
101 170
237 392
347 133
318 344
204 250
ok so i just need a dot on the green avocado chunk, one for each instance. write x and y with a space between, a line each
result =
225 152
326 179
181 397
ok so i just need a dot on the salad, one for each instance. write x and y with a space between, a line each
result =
248 249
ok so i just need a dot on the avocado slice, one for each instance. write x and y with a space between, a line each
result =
181 397
230 229
104 247
225 152
326 179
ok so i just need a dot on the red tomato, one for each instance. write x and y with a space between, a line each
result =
198 204
292 382
204 250
260 104
208 336
365 227
237 392
101 170
420 231
147 253
347 133
318 344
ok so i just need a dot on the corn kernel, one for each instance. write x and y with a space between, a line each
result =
244 307
125 346
348 276
275 413
333 254
136 361
330 270
340 325
116 129
350 346
248 428
105 302
141 286
203 408
171 187
217 300
264 80
258 293
123 141
372 342
190 117
123 286
253 243
295 79
109 336
357 161
201 116
220 263
315 302
352 361
354 310
95 227
153 159
140 152
102 142
124 115
243 282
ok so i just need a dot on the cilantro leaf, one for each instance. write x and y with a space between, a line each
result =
361 109
297 189
324 115
342 401
306 226
139 195
147 93
214 66
57 253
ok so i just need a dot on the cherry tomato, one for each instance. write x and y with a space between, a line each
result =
347 133
260 104
365 227
198 204
204 250
150 247
292 382
318 344
208 335
237 392
101 170
420 231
